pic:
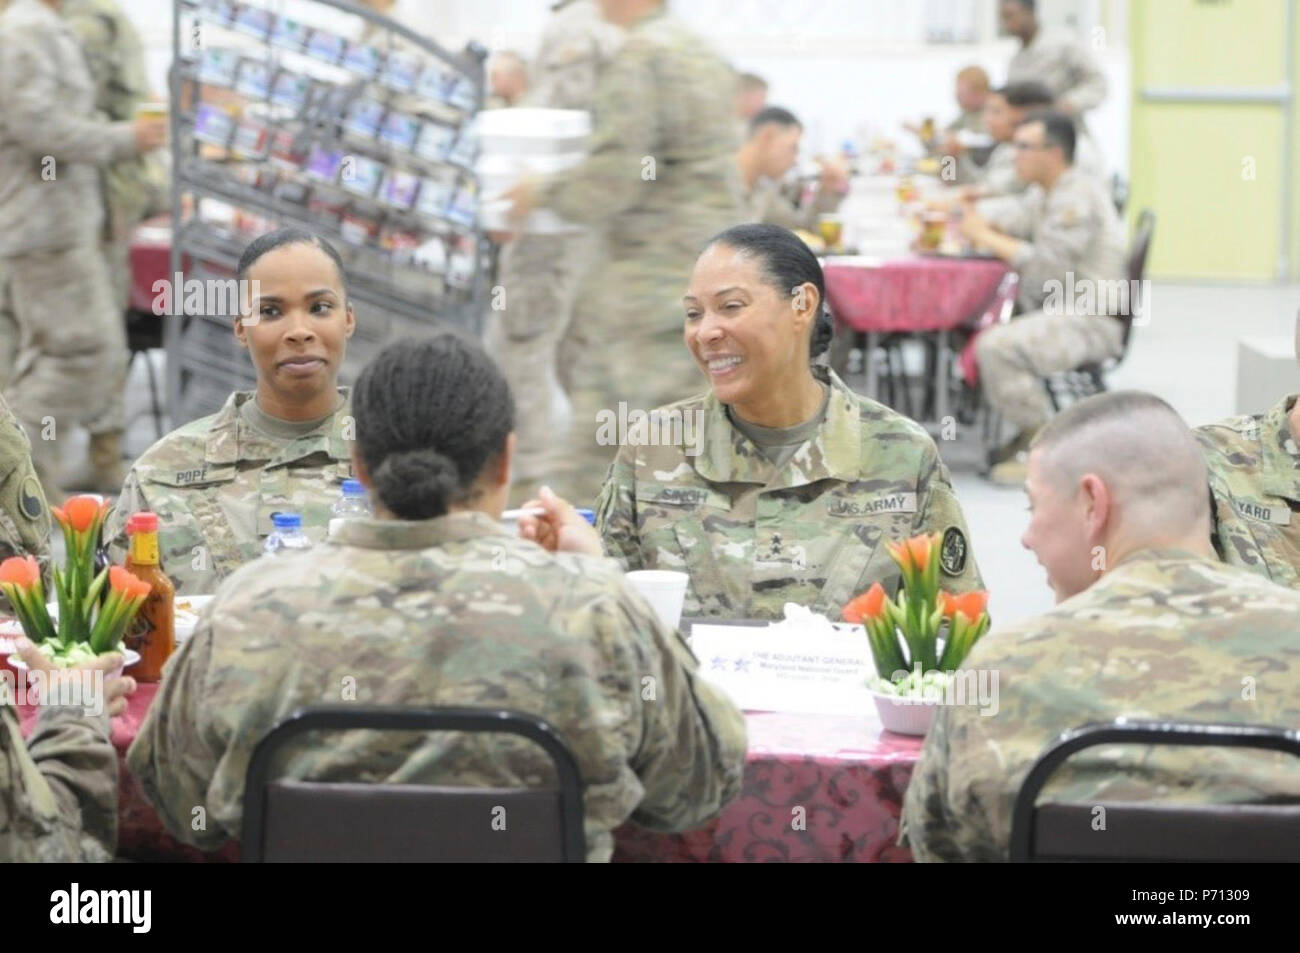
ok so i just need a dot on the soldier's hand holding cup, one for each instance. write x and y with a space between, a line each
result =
150 126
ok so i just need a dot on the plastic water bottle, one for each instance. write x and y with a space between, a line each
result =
351 504
287 535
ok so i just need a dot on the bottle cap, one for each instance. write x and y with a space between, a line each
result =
588 515
353 488
286 520
142 522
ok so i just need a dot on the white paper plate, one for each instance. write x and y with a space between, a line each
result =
187 612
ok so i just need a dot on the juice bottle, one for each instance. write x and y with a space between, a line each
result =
153 633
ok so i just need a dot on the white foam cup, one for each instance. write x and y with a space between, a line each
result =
664 590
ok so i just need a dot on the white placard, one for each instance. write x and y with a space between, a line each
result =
783 668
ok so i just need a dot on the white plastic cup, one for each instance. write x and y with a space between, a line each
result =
665 591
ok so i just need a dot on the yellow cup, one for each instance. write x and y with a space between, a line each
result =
831 229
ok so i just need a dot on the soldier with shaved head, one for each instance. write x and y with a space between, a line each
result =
1148 625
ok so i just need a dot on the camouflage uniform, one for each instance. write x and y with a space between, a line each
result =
1062 64
754 537
1165 635
399 610
1071 230
215 483
542 274
58 790
997 176
661 178
115 58
968 120
72 365
1254 465
24 518
766 203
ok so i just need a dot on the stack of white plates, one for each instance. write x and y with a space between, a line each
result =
517 143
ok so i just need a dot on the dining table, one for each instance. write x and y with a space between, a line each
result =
889 286
816 787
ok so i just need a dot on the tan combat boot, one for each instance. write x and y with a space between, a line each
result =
106 460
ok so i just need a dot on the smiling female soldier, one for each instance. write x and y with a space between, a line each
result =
795 483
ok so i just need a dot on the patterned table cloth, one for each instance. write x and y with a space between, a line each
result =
910 294
816 788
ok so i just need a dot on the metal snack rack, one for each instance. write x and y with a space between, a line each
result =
366 140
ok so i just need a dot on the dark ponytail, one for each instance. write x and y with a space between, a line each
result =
787 263
431 415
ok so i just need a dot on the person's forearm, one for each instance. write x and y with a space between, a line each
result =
74 754
1004 246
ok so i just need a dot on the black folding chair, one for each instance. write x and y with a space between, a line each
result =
1089 379
310 821
1150 830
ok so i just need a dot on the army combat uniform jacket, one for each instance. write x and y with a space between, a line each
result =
1071 230
766 203
450 611
58 790
1165 635
215 483
51 138
814 532
1254 465
24 518
1063 65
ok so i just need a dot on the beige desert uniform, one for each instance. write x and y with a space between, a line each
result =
540 275
660 178
1065 66
72 365
1073 276
766 203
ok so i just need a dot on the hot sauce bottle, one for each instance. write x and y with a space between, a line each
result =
153 633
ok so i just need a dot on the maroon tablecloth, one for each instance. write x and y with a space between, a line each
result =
911 294
151 249
846 774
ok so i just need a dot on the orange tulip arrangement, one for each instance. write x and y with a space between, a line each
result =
919 614
84 628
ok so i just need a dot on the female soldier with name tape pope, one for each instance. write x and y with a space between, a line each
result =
794 483
216 481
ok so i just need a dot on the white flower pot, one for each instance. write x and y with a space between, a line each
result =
905 715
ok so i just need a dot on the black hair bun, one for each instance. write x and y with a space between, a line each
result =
417 484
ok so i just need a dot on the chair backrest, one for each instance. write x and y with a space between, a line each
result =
1150 830
999 307
310 821
1137 268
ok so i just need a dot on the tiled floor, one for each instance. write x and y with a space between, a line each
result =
1186 353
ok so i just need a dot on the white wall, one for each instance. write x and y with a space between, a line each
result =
838 64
